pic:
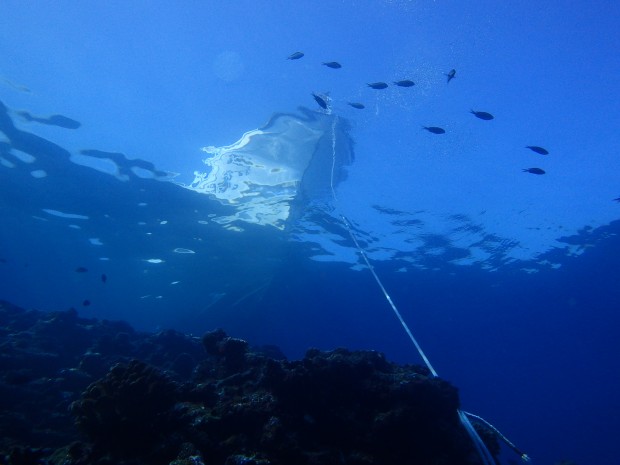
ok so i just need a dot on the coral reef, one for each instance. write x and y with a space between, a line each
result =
80 391
128 411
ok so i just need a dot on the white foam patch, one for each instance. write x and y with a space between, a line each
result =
163 222
154 260
74 226
182 250
60 214
95 241
38 174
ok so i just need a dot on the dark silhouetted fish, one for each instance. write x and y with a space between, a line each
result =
359 106
537 149
320 100
404 83
378 85
482 115
81 269
333 64
451 74
434 129
295 56
617 200
86 303
534 170
104 278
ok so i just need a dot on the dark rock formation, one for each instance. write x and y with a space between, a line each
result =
128 411
168 398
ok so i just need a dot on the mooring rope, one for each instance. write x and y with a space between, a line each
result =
481 448
362 253
400 318
499 434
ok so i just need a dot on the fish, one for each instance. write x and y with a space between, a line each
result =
482 115
333 64
86 303
451 75
537 149
104 278
359 106
378 85
434 129
404 83
534 170
81 269
295 56
617 200
320 100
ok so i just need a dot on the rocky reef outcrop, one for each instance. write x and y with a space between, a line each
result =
81 391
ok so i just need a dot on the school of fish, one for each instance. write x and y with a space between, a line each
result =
323 101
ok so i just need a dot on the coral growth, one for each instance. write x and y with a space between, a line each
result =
128 411
168 398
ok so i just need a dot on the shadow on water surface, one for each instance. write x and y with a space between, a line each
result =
169 252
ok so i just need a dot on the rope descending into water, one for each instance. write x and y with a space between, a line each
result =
400 318
498 433
481 448
370 267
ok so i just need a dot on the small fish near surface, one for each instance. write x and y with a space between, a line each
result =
482 115
332 64
451 75
86 303
81 269
537 149
320 100
434 129
534 170
295 56
404 83
617 200
104 278
378 85
359 106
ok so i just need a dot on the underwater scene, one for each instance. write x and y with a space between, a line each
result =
311 232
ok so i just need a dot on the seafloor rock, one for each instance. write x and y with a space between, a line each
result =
127 412
48 358
330 407
168 398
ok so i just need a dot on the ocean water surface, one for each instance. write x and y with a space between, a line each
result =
175 165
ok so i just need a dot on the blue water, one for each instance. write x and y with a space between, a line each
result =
509 280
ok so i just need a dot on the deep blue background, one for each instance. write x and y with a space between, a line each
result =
534 353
